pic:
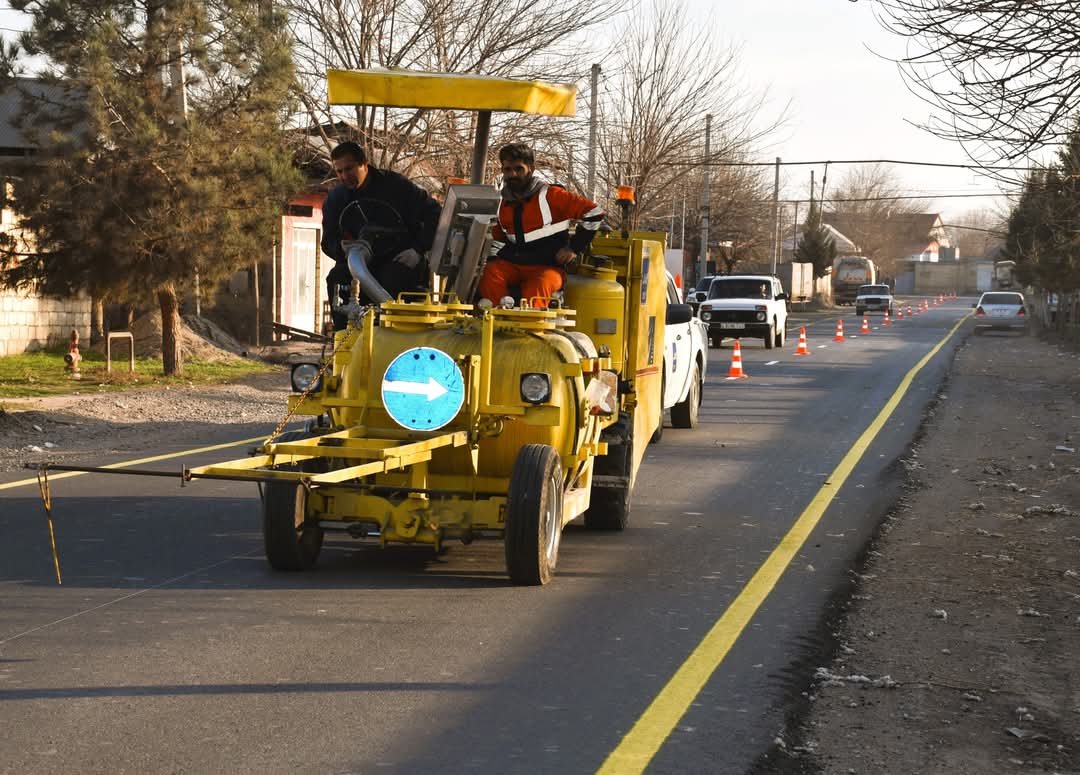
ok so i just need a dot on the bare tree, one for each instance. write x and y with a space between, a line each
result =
667 74
976 232
868 207
1006 73
518 38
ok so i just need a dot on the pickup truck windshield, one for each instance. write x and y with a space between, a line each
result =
739 289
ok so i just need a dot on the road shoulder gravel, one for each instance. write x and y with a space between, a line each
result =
957 651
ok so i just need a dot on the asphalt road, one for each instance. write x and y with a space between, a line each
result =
171 646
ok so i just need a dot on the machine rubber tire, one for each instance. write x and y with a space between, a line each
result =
534 515
783 336
609 507
290 546
715 342
770 337
685 413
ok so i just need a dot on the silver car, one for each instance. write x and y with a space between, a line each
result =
1000 310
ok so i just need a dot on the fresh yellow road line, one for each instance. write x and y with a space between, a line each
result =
129 463
644 739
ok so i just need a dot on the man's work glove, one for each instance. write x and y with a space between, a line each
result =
409 258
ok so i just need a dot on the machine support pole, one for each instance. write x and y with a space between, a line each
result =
479 156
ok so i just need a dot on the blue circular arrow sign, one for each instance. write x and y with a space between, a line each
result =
423 389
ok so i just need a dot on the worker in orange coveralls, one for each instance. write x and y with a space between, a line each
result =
534 225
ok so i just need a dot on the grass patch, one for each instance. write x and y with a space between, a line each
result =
42 373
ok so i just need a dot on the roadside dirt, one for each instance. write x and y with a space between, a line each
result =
84 428
960 650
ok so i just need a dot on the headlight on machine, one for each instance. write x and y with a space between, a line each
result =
761 316
306 376
535 387
706 315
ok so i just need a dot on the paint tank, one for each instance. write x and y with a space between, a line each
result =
600 305
516 352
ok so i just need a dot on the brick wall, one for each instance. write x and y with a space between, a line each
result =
31 322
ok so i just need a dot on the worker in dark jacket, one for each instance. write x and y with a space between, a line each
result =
534 225
394 215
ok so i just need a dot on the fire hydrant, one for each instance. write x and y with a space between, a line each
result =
72 357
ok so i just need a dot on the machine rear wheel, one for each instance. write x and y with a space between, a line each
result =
534 515
609 503
291 545
685 413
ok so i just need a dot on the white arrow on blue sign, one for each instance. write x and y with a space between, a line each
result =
423 389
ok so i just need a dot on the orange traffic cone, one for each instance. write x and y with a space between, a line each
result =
900 312
885 321
736 372
910 314
865 326
801 349
839 331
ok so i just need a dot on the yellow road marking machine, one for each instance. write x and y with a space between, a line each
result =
439 419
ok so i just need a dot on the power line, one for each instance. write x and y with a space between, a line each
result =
848 161
894 198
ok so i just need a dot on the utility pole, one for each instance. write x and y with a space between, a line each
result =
682 236
671 236
591 179
776 215
703 261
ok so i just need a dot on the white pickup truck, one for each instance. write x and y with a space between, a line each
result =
746 305
685 360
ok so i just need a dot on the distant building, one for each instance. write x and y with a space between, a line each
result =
903 237
28 319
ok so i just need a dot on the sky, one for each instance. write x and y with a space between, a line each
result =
847 102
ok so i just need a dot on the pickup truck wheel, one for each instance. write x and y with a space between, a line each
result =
715 341
291 544
781 336
685 413
770 337
534 515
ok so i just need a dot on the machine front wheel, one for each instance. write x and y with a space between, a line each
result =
534 515
291 545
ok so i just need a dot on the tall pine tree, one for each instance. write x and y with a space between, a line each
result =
161 151
1044 226
816 246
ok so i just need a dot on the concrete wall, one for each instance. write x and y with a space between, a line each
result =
959 276
31 322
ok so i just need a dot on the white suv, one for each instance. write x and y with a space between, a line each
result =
746 305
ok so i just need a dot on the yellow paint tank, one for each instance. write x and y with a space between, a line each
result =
516 352
600 303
